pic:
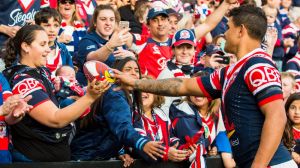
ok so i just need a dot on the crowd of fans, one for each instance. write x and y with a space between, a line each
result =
50 112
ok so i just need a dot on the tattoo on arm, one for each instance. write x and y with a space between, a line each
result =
165 87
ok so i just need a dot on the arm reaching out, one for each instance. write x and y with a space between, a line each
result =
18 107
166 87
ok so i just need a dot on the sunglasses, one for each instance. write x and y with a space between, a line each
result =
66 1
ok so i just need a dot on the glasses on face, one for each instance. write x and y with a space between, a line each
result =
66 1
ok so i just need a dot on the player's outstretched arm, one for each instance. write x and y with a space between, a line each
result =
166 87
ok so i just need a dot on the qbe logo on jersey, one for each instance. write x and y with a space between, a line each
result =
27 86
261 76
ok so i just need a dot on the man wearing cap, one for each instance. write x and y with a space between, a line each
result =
155 51
211 62
174 18
250 90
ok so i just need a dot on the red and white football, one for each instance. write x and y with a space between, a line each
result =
96 69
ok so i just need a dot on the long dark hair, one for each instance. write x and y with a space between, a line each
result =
13 47
135 101
288 138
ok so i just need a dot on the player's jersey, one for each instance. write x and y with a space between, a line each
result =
153 56
293 66
244 87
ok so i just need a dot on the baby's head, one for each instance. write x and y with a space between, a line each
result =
271 14
67 72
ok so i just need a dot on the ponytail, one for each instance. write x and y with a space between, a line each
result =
13 47
11 53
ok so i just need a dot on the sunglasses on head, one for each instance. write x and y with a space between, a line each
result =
66 1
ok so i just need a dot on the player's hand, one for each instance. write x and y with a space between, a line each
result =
125 79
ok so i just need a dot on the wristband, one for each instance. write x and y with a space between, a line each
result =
108 47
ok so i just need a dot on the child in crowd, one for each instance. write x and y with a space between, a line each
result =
293 66
288 84
157 126
291 137
194 123
278 52
50 20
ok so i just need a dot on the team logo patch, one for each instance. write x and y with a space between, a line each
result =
261 76
156 9
27 86
184 34
26 4
90 47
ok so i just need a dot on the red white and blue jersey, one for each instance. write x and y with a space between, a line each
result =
293 66
191 128
244 87
4 138
296 135
79 31
158 129
153 56
85 9
25 85
60 58
291 31
17 12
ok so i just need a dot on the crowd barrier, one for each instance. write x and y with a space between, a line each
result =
211 162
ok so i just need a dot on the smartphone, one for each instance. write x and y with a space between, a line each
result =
123 24
225 59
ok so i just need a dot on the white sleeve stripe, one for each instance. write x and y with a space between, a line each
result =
293 71
138 48
260 88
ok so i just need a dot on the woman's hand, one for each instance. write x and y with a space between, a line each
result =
127 160
119 38
176 155
10 30
121 53
96 88
154 149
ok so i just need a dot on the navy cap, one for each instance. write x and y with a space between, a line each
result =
155 12
213 49
184 36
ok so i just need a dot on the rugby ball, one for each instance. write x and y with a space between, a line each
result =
97 70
